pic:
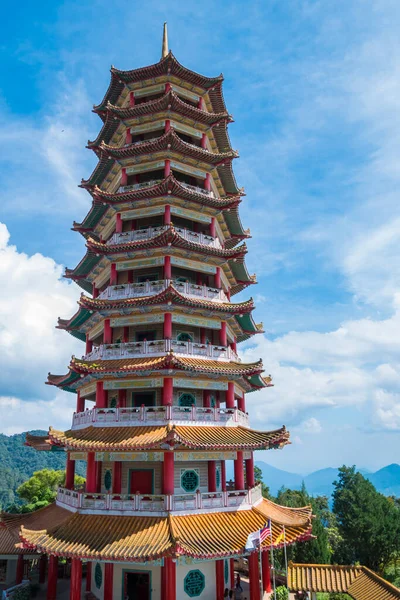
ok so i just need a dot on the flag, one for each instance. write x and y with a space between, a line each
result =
253 540
265 531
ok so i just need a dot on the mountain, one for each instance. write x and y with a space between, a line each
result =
387 480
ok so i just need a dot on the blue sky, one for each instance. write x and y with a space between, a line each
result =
314 88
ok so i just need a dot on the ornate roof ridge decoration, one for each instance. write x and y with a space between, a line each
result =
166 67
168 236
170 142
141 539
357 581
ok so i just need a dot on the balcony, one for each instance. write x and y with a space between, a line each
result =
139 186
157 505
151 232
159 348
160 415
197 189
150 288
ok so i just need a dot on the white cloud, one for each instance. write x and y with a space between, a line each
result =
21 415
311 425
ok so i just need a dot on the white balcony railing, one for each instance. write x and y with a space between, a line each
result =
152 503
149 288
160 347
197 189
139 186
156 415
151 232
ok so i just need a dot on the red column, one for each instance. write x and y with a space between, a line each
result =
121 398
168 87
169 578
239 471
69 473
107 336
266 571
213 230
76 579
42 568
223 476
131 98
232 573
117 477
113 274
254 576
20 569
167 125
234 346
168 389
212 476
118 223
200 104
80 403
98 470
167 214
230 395
167 167
242 403
222 334
101 401
108 581
128 136
89 345
167 326
90 473
250 472
52 578
202 335
125 335
207 182
95 291
206 398
131 275
204 140
167 267
217 279
88 576
219 579
168 473
124 177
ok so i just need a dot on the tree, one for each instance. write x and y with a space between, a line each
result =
368 522
41 489
258 476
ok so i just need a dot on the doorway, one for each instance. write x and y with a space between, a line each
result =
136 585
143 398
141 481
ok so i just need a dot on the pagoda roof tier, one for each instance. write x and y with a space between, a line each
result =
144 437
110 126
140 539
168 142
167 236
166 68
170 102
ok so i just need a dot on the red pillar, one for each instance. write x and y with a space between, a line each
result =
107 336
200 104
89 345
80 403
212 476
239 471
169 578
218 277
250 472
202 335
219 579
125 335
131 98
52 578
168 87
167 326
213 230
254 576
222 334
69 473
95 291
42 568
124 177
206 398
117 477
167 267
128 136
204 140
101 398
167 214
230 395
207 182
90 473
20 569
168 389
121 398
113 274
108 581
266 571
167 167
167 125
242 403
234 346
131 275
168 473
223 476
118 223
89 576
76 579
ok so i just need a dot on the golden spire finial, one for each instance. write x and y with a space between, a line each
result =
164 51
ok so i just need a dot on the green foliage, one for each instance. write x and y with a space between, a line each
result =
368 522
41 489
282 593
336 596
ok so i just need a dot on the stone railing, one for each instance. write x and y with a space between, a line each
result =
156 415
159 348
153 503
150 232
197 189
149 288
139 186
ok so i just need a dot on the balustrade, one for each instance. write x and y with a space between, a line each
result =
139 186
149 288
150 232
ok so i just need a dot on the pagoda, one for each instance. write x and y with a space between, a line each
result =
160 391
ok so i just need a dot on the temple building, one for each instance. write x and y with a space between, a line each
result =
160 391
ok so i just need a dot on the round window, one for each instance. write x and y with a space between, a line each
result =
194 583
98 575
190 480
184 337
187 400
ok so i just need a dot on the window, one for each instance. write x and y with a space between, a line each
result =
213 402
108 480
184 336
190 480
148 336
3 571
218 477
98 575
226 571
187 400
113 402
194 583
147 277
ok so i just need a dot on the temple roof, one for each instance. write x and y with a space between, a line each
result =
168 142
358 582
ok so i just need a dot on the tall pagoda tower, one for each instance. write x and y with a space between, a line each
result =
161 390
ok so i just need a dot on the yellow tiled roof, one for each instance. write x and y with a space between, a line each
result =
359 582
133 438
147 538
